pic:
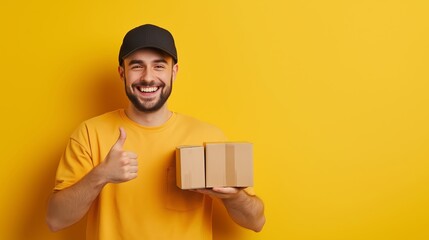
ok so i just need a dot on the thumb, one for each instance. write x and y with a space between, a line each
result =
121 140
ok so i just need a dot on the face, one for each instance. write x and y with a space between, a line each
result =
148 76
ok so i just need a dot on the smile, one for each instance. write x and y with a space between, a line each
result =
148 89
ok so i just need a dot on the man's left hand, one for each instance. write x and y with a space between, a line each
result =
221 192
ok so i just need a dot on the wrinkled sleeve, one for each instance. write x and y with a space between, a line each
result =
76 160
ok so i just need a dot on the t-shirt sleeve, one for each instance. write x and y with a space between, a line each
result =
76 161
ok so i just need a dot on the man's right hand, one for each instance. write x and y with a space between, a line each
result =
119 165
69 205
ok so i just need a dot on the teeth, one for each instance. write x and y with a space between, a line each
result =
148 89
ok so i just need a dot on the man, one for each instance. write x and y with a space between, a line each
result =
126 183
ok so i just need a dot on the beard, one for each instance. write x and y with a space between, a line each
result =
148 106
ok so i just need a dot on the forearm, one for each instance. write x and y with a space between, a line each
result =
246 210
68 206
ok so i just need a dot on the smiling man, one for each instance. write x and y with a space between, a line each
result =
145 93
119 169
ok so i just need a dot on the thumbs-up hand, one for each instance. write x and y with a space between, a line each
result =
119 165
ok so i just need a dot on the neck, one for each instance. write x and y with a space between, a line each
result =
151 119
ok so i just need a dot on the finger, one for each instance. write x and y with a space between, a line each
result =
133 162
133 169
121 139
225 190
131 155
132 176
208 191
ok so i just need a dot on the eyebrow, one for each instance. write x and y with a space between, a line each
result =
137 61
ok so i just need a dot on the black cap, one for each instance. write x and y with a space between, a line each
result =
147 36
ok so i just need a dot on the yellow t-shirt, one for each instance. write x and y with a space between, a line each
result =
150 206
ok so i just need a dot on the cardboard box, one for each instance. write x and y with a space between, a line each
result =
190 171
229 164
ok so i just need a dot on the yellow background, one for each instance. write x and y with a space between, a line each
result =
334 95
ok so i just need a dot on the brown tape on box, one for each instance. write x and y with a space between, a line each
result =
229 164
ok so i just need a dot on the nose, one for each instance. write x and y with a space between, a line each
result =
148 75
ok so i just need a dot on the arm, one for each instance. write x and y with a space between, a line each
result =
69 205
245 210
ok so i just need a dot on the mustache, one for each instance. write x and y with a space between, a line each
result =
147 84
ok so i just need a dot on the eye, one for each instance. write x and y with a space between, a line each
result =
159 67
136 66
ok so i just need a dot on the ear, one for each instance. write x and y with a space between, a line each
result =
175 71
121 72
